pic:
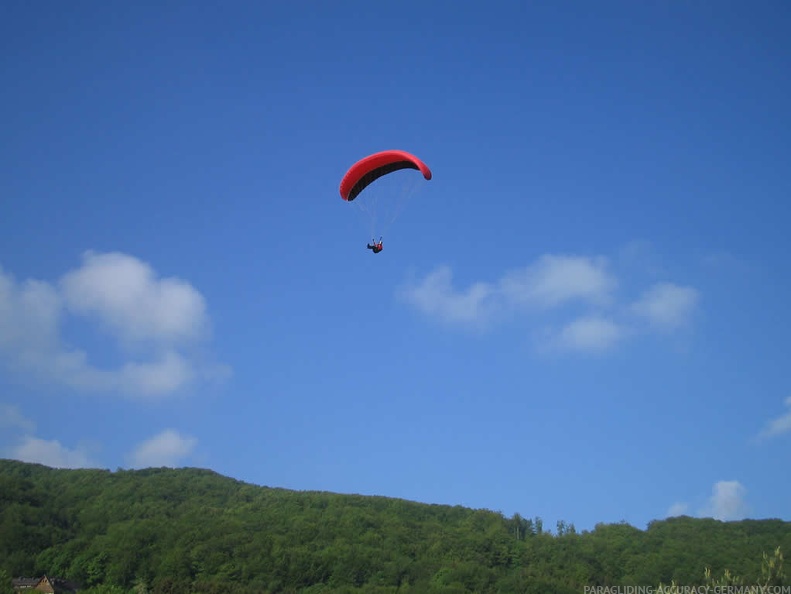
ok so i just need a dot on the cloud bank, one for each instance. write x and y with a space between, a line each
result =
29 448
51 453
155 322
728 502
677 509
582 288
168 448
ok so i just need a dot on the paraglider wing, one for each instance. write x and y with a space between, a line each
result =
368 170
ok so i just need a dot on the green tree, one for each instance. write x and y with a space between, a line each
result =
104 589
772 572
140 587
6 586
192 531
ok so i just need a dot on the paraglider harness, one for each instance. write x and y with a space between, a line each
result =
376 246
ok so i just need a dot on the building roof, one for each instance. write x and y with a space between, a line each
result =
58 584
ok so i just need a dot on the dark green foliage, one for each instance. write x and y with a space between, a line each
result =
162 531
5 579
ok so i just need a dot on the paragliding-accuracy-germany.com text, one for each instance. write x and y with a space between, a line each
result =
687 589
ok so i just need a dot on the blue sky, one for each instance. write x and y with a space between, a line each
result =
582 316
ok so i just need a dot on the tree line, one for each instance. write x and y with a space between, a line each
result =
184 531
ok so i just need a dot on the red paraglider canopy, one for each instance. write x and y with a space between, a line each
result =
368 170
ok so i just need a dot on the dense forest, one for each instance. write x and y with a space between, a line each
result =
167 531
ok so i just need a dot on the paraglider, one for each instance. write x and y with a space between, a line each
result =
376 246
363 181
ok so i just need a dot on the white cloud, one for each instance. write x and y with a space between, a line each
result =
591 334
727 501
29 316
125 294
160 317
550 283
33 449
51 453
677 509
436 296
554 280
779 425
666 306
164 449
12 418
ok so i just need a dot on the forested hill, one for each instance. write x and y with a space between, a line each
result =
189 530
